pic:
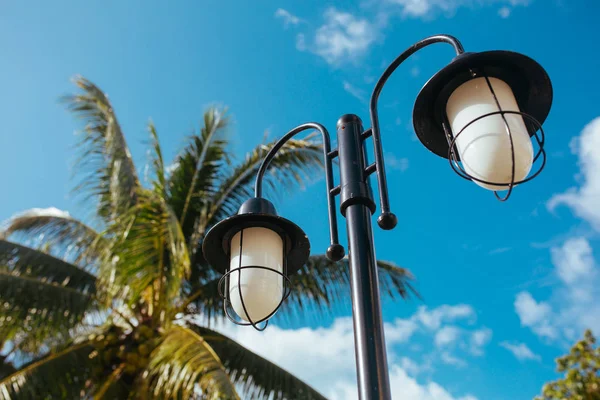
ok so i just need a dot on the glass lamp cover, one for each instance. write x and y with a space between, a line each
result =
484 147
261 289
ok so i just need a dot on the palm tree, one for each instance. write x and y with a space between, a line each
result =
122 307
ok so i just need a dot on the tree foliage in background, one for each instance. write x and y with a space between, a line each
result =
581 368
123 306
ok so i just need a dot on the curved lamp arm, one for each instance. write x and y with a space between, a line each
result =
387 220
335 252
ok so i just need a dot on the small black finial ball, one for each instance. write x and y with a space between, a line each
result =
387 221
335 252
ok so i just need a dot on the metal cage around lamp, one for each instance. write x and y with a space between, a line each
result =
257 251
497 101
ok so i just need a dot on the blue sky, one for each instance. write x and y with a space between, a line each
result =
506 286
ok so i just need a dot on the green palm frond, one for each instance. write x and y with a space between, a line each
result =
183 362
40 294
257 377
112 387
105 167
196 168
149 251
395 280
315 287
156 162
67 237
205 302
6 367
321 283
22 260
58 375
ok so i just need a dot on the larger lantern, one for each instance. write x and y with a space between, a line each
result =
481 111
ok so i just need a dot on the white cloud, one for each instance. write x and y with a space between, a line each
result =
574 260
319 356
504 12
520 2
534 315
287 17
479 339
584 200
474 342
354 91
170 168
416 8
445 313
400 330
369 79
446 336
576 300
315 355
300 42
44 212
500 250
521 351
342 37
401 383
324 358
431 8
453 336
410 366
449 359
574 304
395 163
347 37
530 312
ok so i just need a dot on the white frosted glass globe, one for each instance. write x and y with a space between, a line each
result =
484 147
261 289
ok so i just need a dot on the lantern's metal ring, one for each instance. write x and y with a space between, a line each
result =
539 137
226 302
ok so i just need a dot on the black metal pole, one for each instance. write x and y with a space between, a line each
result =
356 204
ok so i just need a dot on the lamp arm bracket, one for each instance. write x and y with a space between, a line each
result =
335 252
387 220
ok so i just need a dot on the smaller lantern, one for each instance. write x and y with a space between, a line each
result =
256 250
481 111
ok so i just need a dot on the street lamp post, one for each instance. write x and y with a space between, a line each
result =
480 112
